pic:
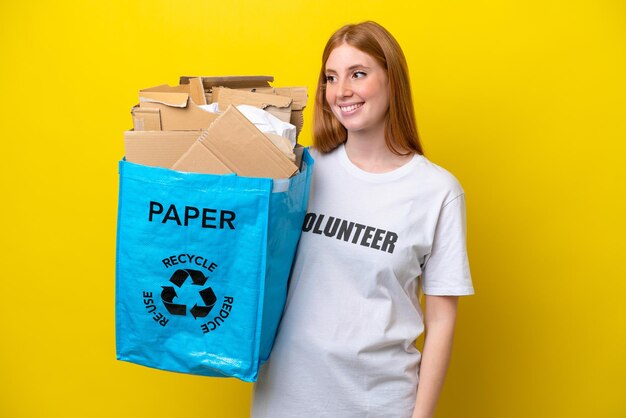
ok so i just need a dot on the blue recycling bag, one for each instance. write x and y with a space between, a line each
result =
202 267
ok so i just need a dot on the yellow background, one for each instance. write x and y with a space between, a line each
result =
522 100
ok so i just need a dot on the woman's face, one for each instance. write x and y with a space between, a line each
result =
357 90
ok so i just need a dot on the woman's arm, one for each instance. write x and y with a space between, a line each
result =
439 322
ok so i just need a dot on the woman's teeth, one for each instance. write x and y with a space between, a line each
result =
350 108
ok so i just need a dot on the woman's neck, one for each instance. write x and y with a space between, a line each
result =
370 153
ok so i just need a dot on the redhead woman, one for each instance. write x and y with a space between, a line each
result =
382 222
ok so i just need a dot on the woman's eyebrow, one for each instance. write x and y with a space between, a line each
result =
358 66
350 68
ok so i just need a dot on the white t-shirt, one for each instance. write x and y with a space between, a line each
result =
345 345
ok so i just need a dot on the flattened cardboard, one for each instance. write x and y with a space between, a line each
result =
283 144
298 151
146 119
298 94
176 109
279 106
232 81
170 95
197 91
158 148
226 97
245 150
300 97
200 159
265 90
297 120
180 119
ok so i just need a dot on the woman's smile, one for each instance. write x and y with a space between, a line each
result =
350 108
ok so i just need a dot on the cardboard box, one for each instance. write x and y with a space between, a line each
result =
158 148
234 141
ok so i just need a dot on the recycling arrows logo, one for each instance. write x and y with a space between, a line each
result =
197 279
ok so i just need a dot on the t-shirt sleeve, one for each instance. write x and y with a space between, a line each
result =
446 270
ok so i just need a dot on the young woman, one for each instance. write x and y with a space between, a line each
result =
381 216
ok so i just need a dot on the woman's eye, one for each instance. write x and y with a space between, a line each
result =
330 79
359 74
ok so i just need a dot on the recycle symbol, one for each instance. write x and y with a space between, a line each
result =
197 279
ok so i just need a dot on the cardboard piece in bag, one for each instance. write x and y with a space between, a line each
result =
279 106
200 159
300 97
146 119
298 151
233 82
174 108
158 148
240 146
248 83
283 144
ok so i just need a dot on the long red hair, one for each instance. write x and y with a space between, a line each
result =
371 38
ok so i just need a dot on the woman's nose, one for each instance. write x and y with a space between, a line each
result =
344 89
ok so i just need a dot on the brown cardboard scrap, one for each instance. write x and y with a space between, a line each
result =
283 144
197 91
175 107
200 159
157 148
278 106
170 95
298 94
146 119
232 81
